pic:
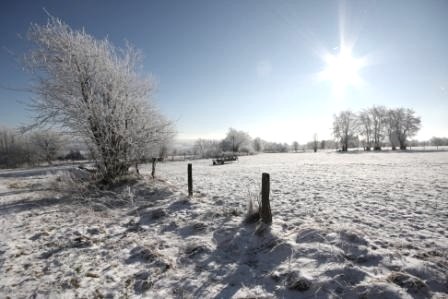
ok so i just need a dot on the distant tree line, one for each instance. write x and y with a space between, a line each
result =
34 148
439 141
38 147
371 128
241 142
375 126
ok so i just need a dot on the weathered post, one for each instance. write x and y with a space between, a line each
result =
190 180
266 215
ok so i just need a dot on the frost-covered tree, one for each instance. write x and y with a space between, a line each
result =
15 149
392 120
93 89
379 120
402 124
372 125
47 145
344 128
206 148
409 128
257 144
365 127
199 147
237 141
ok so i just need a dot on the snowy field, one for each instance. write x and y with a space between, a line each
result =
357 225
350 219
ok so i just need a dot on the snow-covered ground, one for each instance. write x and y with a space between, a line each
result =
357 225
351 220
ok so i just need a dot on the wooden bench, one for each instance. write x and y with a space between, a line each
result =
223 159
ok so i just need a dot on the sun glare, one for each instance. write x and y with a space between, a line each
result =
342 70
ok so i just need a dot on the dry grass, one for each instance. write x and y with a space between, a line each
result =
16 184
410 283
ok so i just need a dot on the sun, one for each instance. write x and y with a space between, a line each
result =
342 70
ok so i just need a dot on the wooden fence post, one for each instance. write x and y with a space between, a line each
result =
153 171
265 213
190 180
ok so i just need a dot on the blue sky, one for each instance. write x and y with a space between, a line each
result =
254 65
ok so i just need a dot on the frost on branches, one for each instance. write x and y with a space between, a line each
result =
92 88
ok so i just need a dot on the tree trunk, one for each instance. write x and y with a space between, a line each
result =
153 170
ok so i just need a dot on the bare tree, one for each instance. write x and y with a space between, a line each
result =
19 149
438 141
392 122
47 145
344 128
91 88
15 149
402 124
199 147
410 127
257 144
365 126
379 119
